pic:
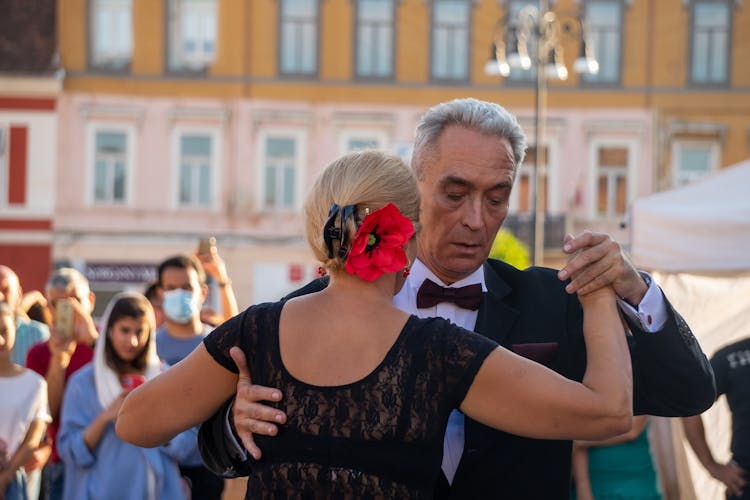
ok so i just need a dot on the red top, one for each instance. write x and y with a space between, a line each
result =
38 360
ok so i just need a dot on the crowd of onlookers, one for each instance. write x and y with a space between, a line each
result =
63 377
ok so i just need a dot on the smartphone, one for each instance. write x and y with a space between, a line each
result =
64 317
131 380
205 244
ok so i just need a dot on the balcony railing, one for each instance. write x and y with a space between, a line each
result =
522 227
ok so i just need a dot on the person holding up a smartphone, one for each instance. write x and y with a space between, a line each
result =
214 266
69 348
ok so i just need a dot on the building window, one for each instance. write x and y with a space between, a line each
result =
298 31
710 49
604 27
111 32
4 181
110 166
375 38
692 160
192 34
196 154
280 172
451 20
612 180
357 140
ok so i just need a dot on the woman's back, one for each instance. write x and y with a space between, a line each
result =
379 436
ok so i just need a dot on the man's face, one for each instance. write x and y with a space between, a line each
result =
10 289
173 278
465 188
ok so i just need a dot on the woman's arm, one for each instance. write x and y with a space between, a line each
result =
525 398
639 423
94 432
178 399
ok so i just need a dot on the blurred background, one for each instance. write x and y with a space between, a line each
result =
130 129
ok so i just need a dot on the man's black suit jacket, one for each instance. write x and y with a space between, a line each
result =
530 313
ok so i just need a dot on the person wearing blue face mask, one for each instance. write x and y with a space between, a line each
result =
182 286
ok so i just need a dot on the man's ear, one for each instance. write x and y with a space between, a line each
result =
204 292
92 301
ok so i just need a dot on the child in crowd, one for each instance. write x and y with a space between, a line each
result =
23 412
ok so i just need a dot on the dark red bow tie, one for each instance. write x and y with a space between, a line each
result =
431 294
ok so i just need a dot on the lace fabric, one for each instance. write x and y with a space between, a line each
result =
381 436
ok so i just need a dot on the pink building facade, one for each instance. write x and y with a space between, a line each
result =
142 178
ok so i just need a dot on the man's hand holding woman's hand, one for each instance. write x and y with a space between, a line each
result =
249 415
596 261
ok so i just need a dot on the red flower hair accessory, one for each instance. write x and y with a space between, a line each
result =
378 246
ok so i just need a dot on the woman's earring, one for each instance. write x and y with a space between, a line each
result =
321 271
406 271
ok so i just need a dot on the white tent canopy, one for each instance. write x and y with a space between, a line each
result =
704 226
696 241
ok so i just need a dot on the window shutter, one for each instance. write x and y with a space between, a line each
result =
17 159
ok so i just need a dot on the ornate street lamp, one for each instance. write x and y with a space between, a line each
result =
533 38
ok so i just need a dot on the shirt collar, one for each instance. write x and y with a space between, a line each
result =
419 272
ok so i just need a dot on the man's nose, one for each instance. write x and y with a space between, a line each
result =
472 214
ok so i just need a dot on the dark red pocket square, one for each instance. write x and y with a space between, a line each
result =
541 352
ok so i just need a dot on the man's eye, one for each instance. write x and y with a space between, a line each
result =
454 196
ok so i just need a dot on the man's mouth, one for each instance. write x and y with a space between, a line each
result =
469 246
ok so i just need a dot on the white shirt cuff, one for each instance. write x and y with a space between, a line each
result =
235 449
651 313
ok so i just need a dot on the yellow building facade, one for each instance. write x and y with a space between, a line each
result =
655 66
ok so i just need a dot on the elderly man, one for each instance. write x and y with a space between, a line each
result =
466 157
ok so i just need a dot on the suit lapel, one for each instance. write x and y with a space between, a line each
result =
495 317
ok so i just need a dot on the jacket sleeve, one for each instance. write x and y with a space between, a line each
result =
671 375
218 451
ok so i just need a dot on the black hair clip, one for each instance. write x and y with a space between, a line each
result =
346 212
331 232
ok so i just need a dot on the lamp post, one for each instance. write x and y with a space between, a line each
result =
543 30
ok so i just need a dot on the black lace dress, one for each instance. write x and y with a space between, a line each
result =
379 437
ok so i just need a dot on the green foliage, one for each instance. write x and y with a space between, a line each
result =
510 249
